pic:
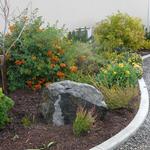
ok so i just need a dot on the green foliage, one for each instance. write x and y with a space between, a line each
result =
5 105
36 57
83 56
120 74
119 32
114 57
83 122
146 45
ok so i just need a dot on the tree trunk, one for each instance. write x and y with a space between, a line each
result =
4 74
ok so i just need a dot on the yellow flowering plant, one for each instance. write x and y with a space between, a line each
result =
119 74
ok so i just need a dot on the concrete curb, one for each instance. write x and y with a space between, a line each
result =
134 125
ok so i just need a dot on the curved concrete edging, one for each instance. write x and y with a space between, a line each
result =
134 125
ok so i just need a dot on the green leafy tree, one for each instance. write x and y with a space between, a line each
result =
119 32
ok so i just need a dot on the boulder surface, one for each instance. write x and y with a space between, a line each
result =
61 100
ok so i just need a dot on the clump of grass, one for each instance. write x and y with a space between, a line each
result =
117 97
26 121
84 121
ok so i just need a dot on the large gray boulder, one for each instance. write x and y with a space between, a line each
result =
61 100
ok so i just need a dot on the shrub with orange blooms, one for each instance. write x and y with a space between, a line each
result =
38 55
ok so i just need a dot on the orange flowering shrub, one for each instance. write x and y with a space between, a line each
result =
39 56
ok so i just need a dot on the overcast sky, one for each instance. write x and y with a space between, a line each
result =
76 13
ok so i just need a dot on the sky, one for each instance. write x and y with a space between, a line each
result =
80 13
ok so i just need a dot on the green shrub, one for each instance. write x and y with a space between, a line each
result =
38 57
83 122
83 56
146 45
119 32
123 57
120 74
5 105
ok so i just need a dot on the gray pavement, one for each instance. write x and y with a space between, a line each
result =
141 140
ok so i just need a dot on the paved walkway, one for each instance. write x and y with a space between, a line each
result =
141 140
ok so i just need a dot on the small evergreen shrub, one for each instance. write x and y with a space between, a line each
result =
83 122
5 105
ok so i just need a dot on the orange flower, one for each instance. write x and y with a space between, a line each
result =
47 83
41 81
60 74
73 69
61 51
25 18
82 58
19 62
11 28
29 83
37 86
63 65
49 53
52 65
33 57
55 59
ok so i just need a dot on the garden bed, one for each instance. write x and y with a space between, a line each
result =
17 137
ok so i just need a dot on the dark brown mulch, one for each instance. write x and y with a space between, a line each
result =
17 137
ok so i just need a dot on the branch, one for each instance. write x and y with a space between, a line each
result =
16 38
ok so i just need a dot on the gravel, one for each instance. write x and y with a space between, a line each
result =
141 140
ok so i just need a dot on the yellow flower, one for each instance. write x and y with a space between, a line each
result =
127 72
108 67
114 72
121 65
105 71
136 66
33 57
